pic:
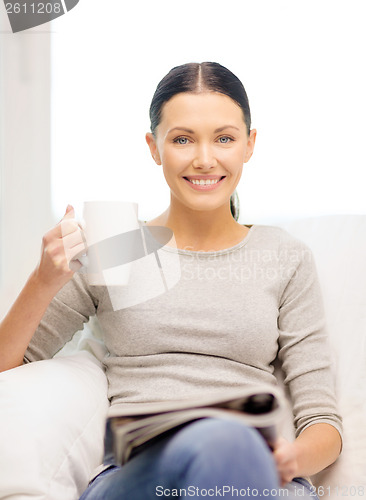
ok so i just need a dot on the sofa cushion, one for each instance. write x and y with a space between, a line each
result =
52 419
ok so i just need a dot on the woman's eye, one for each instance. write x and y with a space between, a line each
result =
225 139
181 140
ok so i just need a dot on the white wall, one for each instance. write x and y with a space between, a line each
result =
25 199
301 63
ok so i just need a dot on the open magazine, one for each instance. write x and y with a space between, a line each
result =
131 426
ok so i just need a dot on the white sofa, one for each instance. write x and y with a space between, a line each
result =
52 412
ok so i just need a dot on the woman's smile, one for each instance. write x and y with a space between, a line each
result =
205 183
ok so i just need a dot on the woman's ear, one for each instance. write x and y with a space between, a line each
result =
250 145
151 141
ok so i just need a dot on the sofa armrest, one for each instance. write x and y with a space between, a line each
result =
52 420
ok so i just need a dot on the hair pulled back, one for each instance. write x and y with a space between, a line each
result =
197 78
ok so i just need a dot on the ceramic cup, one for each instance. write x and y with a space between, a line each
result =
109 253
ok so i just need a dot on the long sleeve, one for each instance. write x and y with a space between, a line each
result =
69 310
304 349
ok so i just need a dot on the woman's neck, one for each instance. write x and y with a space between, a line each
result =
202 231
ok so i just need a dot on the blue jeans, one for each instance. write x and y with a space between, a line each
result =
209 457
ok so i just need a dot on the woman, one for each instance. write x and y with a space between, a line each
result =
247 295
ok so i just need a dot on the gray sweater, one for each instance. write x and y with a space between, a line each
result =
219 321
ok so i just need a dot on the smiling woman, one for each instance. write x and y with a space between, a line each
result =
233 312
200 134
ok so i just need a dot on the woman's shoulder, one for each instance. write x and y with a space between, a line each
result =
281 244
271 234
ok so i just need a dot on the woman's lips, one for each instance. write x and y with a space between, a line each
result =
205 187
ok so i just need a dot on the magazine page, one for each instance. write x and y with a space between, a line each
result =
131 426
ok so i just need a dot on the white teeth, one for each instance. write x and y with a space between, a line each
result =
204 182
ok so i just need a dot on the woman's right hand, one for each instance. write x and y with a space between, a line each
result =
60 248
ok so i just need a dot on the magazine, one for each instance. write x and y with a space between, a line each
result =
131 426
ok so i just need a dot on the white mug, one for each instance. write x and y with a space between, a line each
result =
104 224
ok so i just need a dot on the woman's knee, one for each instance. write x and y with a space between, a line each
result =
228 438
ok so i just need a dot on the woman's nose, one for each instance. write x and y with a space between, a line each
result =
204 157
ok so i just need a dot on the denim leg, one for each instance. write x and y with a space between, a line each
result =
209 457
298 489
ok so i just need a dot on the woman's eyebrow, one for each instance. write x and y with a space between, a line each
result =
220 129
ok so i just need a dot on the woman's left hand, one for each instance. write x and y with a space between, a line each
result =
285 455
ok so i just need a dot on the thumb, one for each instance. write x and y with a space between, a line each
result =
70 213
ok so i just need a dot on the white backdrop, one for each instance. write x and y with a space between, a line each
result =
300 62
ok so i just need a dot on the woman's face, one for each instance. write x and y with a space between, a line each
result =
202 136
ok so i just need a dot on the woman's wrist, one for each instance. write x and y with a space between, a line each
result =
45 287
317 447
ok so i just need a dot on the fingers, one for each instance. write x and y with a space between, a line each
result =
286 460
72 235
69 213
75 252
71 230
60 248
73 241
75 265
64 242
67 225
286 473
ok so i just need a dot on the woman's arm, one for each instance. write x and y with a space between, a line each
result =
59 247
19 325
315 448
304 352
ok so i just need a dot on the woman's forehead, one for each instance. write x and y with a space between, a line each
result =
211 107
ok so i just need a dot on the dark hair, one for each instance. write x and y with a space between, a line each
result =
196 78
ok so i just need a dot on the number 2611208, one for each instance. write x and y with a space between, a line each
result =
34 8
